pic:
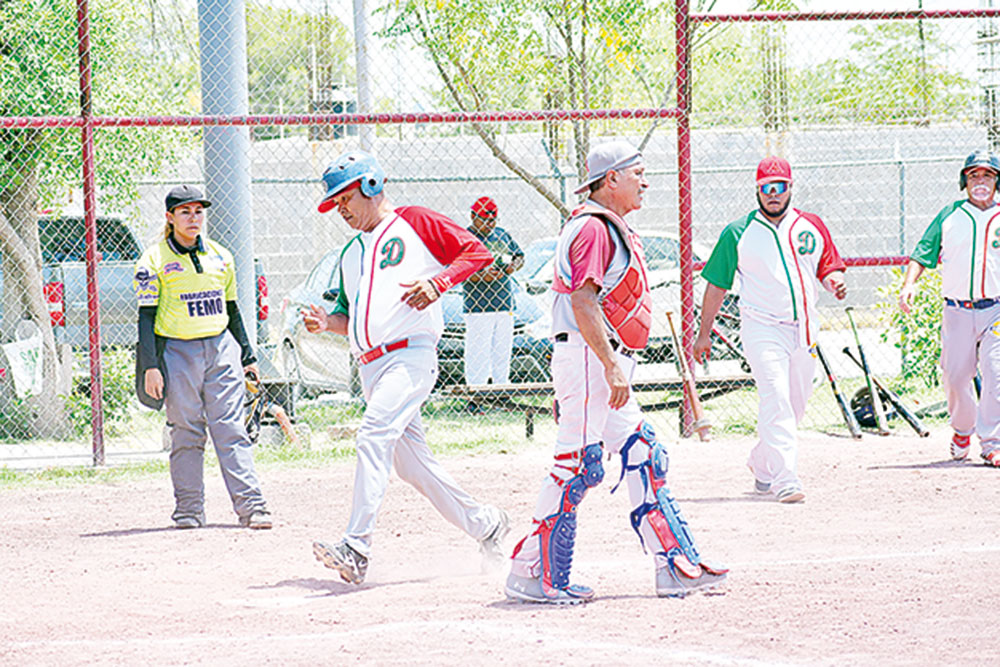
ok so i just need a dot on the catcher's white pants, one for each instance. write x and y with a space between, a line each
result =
586 419
783 371
488 341
395 386
971 338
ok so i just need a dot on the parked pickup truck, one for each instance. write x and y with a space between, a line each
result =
65 281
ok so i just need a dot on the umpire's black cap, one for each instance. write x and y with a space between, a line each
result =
185 194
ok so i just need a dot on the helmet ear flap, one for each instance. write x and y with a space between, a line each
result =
371 184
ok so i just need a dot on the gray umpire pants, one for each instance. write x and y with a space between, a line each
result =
204 392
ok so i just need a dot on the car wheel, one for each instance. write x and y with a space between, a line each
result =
291 369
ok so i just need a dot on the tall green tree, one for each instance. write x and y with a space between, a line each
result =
294 59
531 54
895 72
553 54
40 167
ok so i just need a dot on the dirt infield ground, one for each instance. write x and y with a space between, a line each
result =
893 559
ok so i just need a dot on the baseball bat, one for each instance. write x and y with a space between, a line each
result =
852 422
911 417
701 425
880 421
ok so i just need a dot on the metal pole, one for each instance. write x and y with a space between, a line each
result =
227 167
902 207
90 233
363 64
684 196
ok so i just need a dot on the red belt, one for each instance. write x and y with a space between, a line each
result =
376 352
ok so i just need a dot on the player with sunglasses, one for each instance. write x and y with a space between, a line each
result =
780 254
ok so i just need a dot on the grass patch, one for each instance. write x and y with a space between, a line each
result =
67 475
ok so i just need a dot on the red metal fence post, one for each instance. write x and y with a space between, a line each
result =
90 238
683 51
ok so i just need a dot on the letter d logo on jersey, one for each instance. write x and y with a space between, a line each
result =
393 251
807 243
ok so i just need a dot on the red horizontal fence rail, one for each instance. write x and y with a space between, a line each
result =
903 14
887 260
337 119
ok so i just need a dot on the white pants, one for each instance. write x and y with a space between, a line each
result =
783 371
586 419
971 338
488 341
391 433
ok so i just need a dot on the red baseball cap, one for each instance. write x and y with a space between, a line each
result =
485 207
773 169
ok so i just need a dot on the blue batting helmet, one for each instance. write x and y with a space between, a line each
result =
979 158
350 168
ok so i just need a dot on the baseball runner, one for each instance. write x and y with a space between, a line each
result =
391 277
965 238
192 356
600 316
780 254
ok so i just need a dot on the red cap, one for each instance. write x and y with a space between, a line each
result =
773 169
485 207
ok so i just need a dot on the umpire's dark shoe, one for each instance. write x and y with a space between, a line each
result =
257 520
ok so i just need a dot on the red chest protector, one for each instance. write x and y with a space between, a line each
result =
627 305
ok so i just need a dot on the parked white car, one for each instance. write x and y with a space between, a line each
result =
662 252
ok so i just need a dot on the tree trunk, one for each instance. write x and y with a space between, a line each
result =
24 298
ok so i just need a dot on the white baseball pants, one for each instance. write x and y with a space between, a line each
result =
391 433
971 339
783 371
488 341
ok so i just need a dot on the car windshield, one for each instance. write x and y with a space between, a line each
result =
537 257
322 277
62 240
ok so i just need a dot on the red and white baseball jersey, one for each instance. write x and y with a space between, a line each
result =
966 241
413 243
778 266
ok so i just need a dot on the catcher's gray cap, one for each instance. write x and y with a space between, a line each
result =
609 156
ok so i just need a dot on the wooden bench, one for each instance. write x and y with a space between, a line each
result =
501 395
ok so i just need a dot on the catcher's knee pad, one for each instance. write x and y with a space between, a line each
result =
651 457
557 533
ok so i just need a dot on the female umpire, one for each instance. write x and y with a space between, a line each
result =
192 345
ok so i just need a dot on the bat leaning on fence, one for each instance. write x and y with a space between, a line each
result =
845 410
701 425
911 417
880 420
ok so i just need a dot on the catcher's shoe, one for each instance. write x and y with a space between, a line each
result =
760 487
991 458
341 557
529 589
672 582
187 521
491 546
790 494
960 447
257 520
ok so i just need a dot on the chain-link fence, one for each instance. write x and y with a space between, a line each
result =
459 101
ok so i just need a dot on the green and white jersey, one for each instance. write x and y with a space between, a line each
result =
779 266
966 242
